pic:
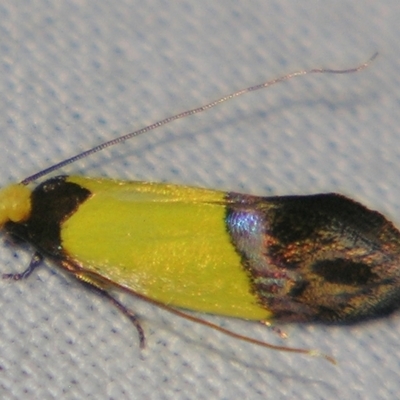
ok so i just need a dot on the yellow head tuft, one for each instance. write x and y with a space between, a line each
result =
15 203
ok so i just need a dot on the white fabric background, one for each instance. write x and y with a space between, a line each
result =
74 73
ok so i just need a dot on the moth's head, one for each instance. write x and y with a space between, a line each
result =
15 203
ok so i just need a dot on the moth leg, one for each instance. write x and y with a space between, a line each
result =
35 262
282 334
126 311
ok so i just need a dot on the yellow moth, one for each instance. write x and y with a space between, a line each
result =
296 258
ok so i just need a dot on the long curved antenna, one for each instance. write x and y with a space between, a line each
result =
193 111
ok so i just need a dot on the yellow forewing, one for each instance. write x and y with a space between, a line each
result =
167 242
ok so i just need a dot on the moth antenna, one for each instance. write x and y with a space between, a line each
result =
193 111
